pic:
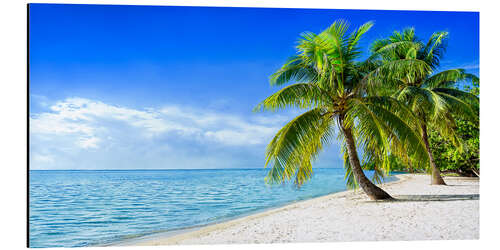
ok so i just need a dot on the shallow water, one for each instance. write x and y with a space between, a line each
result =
82 208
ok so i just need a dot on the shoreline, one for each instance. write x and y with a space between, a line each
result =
173 236
145 239
285 223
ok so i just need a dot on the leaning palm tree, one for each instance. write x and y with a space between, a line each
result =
408 74
327 84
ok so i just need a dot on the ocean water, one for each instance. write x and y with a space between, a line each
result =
73 208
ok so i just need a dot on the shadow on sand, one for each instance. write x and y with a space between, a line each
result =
444 197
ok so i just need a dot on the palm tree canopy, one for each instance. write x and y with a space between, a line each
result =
327 82
408 73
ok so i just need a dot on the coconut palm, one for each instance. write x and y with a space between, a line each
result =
327 83
408 74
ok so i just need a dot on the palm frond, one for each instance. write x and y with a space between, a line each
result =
397 50
461 103
295 69
296 145
449 78
356 35
299 95
385 127
398 71
435 48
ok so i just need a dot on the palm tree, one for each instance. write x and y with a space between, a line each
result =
328 86
408 73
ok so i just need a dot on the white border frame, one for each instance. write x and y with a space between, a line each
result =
14 131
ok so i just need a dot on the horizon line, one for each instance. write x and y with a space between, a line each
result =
142 169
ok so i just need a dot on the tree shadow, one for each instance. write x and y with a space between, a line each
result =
461 185
442 197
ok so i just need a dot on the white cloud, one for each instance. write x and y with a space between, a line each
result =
234 138
42 158
90 142
82 132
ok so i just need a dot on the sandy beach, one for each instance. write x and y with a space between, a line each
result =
421 212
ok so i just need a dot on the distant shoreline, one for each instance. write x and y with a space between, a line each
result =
349 216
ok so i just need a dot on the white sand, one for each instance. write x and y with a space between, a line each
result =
423 212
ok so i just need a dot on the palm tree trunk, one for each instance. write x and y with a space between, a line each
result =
374 192
410 168
436 178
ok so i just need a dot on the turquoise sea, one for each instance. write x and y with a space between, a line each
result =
73 208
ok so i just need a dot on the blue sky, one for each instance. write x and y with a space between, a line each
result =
136 87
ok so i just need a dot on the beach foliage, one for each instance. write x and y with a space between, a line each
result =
450 158
408 73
